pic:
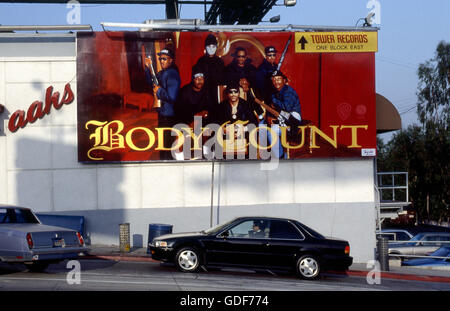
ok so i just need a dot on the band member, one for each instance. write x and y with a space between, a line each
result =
264 74
234 108
285 98
240 67
167 92
287 103
193 98
234 114
213 68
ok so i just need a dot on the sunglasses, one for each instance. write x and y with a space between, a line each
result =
163 58
233 92
271 55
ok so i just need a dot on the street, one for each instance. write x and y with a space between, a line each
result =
105 275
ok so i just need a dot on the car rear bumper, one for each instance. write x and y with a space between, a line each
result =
339 263
50 254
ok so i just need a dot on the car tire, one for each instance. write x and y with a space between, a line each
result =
393 256
308 267
38 266
188 259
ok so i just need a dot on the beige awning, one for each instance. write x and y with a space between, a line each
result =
388 118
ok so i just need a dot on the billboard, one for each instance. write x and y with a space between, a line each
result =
184 96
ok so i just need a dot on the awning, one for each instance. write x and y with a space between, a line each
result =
388 118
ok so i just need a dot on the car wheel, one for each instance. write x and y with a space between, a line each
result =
308 267
188 259
38 266
394 257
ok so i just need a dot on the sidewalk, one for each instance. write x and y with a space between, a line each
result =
427 274
112 252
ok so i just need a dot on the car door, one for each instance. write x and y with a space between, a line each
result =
234 246
430 243
10 235
285 241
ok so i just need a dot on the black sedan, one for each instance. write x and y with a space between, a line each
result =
255 242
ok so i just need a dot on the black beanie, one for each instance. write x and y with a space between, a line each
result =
210 39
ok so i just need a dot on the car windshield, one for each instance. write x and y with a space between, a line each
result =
17 216
217 228
417 237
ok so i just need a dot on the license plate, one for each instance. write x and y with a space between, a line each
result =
59 243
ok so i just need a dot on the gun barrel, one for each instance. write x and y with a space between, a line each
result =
284 53
155 80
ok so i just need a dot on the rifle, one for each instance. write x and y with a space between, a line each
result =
284 53
292 121
147 62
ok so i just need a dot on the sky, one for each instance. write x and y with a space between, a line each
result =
409 32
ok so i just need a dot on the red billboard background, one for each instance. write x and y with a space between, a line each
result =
336 90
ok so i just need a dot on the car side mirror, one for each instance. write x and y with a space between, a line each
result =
225 235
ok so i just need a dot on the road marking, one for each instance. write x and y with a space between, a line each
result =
219 283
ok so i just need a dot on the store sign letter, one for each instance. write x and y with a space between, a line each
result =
38 109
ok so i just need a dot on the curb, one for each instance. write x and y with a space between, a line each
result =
401 276
386 275
121 258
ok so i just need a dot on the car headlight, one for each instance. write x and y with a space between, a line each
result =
161 244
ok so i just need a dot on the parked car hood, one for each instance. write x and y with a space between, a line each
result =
179 235
25 228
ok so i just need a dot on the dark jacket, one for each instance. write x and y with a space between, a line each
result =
264 80
287 100
169 82
234 73
213 69
222 113
190 102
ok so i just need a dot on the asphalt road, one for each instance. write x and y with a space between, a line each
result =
104 275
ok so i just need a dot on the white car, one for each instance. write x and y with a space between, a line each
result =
23 239
421 244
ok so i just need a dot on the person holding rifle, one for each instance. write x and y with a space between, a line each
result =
285 98
166 90
286 109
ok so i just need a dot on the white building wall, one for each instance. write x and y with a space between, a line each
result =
39 169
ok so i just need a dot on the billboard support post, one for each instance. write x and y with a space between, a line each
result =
212 194
172 9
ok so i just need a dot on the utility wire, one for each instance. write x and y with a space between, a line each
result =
396 63
400 61
406 111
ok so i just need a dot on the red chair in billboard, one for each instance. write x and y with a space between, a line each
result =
141 100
